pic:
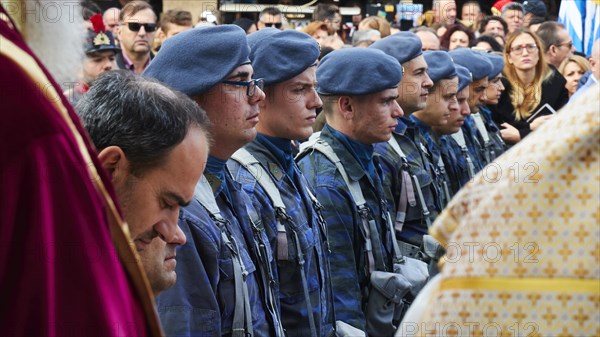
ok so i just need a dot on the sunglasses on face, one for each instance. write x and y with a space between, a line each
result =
271 24
136 26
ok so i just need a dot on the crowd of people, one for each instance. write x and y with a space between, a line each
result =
251 180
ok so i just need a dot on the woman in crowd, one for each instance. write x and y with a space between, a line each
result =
572 68
457 36
530 84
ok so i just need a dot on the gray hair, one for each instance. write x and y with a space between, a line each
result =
365 36
512 6
141 116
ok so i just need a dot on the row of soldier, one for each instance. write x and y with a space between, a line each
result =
272 244
269 241
283 247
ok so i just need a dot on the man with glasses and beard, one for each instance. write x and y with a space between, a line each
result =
136 33
65 255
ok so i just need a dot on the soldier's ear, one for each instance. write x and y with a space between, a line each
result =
345 107
115 162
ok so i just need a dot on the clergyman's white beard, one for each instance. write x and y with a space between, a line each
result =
57 36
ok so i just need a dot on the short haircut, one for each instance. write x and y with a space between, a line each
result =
143 117
512 6
536 20
273 11
487 20
548 33
131 8
325 11
176 17
365 37
491 40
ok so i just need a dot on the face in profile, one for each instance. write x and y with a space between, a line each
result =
441 100
290 109
414 86
151 202
232 112
375 116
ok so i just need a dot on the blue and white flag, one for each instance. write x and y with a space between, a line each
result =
582 20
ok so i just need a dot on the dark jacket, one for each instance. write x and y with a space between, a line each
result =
553 92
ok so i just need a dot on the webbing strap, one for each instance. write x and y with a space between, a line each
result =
459 138
242 316
481 127
370 233
407 193
247 160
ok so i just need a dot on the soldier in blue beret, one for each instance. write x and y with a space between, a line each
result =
442 98
359 91
455 154
480 66
287 61
405 160
495 145
225 253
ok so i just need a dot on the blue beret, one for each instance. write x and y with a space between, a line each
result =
198 59
497 64
403 46
464 76
440 65
357 71
279 55
478 64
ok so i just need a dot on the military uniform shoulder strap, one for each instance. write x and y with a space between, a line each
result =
481 127
369 231
248 161
242 316
459 138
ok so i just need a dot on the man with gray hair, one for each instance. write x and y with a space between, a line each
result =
155 154
513 14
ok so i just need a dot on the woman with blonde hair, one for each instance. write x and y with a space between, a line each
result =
572 68
530 84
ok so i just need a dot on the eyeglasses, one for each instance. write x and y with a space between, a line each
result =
136 26
568 44
271 24
250 85
518 50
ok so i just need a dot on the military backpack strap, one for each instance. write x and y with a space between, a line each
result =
407 189
262 247
459 138
487 145
247 160
374 255
442 173
242 316
253 166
